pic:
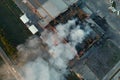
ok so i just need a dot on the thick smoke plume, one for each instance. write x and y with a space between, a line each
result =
46 57
38 64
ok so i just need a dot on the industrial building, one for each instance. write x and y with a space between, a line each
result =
46 14
47 10
51 13
96 56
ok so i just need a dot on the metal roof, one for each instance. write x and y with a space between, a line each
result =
24 18
46 17
51 9
42 1
33 29
60 5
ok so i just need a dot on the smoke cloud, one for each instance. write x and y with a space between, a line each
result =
38 63
46 57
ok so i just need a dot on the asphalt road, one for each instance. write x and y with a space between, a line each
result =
8 63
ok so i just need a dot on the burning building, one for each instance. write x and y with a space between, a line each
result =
66 32
69 17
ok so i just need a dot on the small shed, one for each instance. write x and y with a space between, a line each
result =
33 29
24 19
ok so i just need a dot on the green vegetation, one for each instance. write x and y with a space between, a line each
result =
15 31
6 45
12 31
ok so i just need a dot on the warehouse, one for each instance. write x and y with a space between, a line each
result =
48 10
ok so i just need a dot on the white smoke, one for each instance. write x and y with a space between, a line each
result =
63 29
77 36
74 32
47 57
38 64
37 70
61 54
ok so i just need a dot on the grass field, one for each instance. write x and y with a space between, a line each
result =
13 31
